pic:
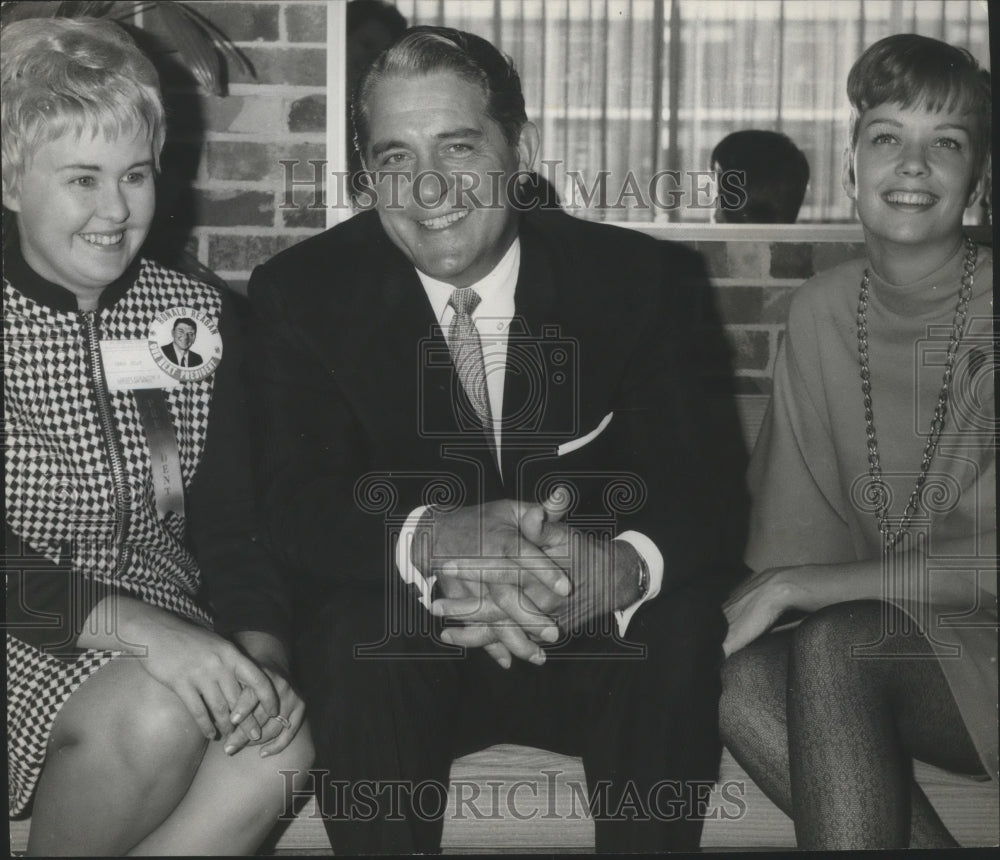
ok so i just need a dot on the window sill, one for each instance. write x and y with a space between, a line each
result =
840 233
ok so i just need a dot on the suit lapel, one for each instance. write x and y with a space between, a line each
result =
385 325
407 354
410 353
531 411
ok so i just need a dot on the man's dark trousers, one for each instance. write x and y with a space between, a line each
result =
644 724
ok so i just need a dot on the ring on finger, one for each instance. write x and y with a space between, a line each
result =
283 720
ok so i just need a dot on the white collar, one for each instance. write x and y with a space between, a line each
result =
495 289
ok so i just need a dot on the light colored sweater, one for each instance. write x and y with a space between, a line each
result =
809 474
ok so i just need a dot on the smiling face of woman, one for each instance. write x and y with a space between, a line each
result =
913 178
84 206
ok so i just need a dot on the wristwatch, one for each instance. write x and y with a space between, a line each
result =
643 576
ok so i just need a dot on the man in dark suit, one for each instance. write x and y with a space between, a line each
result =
483 463
179 352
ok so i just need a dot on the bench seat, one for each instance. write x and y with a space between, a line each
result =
513 799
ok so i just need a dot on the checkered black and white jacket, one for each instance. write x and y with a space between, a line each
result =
79 493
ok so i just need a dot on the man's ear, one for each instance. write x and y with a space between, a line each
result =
527 146
847 178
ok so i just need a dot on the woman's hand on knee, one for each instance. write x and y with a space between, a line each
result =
756 604
206 671
276 730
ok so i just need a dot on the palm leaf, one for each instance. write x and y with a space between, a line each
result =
85 8
193 44
216 36
196 40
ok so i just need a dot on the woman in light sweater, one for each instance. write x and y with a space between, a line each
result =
873 485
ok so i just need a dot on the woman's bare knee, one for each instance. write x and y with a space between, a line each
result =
297 757
128 716
288 769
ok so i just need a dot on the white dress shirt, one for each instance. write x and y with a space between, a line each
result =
492 317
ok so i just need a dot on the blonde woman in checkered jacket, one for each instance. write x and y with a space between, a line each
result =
149 710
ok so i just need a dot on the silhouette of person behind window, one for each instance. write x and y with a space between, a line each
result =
775 174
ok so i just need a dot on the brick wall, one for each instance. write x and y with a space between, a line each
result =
753 282
235 214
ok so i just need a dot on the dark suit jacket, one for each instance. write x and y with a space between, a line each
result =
194 360
361 418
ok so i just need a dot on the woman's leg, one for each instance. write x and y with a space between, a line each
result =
752 714
856 719
128 771
752 718
233 801
123 752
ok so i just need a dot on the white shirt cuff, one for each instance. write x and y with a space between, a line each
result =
654 560
404 558
425 584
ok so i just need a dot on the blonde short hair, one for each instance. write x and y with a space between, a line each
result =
72 76
912 70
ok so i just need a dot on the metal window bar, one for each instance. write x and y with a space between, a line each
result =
604 88
781 62
657 94
674 89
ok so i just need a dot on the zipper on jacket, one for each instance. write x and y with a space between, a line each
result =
111 441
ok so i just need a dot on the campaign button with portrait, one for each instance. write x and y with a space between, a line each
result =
185 344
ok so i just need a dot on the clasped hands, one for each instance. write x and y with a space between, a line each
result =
514 577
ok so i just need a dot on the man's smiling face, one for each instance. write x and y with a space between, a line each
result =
428 137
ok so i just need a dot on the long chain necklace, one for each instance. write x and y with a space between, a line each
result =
878 490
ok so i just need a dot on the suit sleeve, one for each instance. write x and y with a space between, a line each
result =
310 451
687 449
243 581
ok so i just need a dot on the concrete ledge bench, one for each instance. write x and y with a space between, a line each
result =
510 799
513 799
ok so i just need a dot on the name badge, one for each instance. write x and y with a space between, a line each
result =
129 365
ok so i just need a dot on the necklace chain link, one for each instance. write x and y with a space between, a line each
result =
879 493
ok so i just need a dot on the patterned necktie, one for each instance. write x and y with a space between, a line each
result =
467 352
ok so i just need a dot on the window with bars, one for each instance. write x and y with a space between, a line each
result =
625 90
